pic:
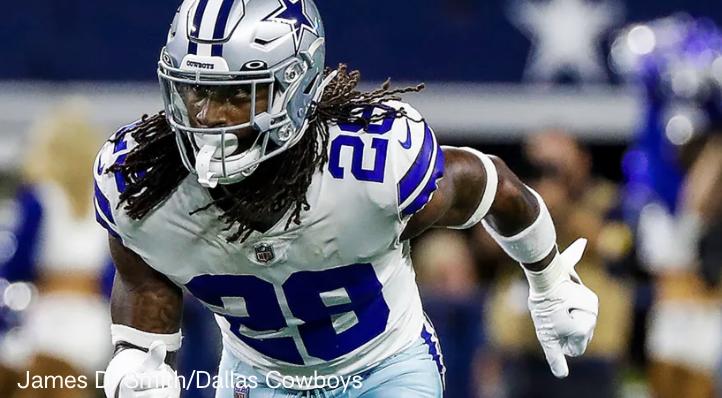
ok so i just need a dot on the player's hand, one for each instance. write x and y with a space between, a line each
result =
153 379
565 312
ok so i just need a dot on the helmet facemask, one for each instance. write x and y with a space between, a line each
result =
212 152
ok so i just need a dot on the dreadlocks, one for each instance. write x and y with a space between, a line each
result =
153 169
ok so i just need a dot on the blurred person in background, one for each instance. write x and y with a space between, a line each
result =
58 246
30 235
673 195
579 203
453 300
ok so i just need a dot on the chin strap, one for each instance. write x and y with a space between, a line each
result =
209 160
203 164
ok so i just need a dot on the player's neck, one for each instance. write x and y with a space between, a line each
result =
262 225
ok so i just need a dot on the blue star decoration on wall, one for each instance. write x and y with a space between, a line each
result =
293 13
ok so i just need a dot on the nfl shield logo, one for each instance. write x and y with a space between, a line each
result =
264 252
242 392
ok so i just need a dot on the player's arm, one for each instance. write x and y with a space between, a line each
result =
509 209
479 188
146 310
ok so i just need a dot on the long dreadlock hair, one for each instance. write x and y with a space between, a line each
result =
153 169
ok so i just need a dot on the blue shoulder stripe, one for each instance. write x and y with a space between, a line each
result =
105 225
103 204
415 175
120 145
431 186
103 213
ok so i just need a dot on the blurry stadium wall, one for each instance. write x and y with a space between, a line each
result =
490 66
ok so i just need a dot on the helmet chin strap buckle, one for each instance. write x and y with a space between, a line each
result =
249 171
211 147
262 122
206 177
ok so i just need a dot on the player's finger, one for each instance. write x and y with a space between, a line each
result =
159 379
556 360
585 322
156 355
574 252
149 394
575 346
164 393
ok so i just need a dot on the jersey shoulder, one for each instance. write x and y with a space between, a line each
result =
400 152
110 185
416 159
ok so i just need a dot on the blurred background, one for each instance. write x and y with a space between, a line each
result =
611 109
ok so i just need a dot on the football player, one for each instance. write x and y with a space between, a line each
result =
284 199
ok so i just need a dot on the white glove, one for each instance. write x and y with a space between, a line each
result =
563 309
150 378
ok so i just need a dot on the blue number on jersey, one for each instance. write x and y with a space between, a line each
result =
263 313
315 297
358 293
374 175
380 145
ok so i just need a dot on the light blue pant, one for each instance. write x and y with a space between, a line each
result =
413 373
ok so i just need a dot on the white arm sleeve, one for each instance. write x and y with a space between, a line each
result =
532 244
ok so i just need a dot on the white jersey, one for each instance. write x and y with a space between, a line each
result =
335 294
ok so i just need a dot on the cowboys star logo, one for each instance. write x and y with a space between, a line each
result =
293 13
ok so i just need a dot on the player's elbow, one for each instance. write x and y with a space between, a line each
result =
510 190
514 206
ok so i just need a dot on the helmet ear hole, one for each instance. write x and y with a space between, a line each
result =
311 85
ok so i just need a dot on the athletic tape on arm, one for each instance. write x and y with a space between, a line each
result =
532 244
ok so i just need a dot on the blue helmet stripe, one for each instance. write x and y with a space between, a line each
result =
220 29
196 28
222 20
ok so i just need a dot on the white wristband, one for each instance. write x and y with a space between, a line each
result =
532 244
492 182
545 280
143 339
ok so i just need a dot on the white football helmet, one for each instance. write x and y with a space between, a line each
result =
227 48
